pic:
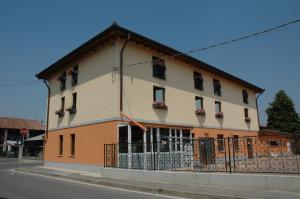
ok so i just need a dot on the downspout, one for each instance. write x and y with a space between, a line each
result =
48 107
121 72
257 111
47 124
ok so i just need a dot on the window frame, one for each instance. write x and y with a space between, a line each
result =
61 145
62 103
219 107
63 81
158 70
221 142
74 100
246 113
73 143
201 102
155 88
198 81
235 141
74 75
245 96
217 87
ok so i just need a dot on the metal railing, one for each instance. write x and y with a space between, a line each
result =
263 154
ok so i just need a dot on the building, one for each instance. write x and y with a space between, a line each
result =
279 142
121 87
10 136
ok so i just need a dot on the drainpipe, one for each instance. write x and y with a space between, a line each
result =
121 72
257 107
48 106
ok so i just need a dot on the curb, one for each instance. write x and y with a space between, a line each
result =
101 182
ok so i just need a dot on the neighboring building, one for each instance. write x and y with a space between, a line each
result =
279 142
10 135
92 101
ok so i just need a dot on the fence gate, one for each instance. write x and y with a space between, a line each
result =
110 155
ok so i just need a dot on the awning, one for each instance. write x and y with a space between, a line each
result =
36 138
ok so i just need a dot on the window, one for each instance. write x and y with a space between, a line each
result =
61 143
246 113
175 140
62 103
245 96
74 95
61 111
74 74
186 138
72 144
63 79
164 139
218 107
221 141
199 106
236 142
199 102
274 143
158 68
198 81
217 87
72 109
158 94
159 98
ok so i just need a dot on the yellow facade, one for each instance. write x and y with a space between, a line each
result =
98 93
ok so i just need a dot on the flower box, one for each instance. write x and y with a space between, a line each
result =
248 119
160 105
200 112
71 109
220 115
60 113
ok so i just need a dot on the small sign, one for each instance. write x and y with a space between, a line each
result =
24 131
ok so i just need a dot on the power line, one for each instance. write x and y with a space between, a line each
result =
219 44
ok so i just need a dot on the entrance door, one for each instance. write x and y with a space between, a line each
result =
207 150
250 148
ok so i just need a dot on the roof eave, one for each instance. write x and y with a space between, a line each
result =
114 27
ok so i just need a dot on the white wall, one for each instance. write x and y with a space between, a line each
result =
180 94
97 90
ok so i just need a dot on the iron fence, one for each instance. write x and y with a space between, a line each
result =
264 154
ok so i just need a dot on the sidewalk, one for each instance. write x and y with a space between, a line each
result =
186 191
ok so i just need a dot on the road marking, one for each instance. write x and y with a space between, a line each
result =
95 185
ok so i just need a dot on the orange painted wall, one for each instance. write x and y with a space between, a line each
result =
89 144
212 133
205 132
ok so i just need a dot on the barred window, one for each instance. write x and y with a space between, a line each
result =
198 81
217 87
158 68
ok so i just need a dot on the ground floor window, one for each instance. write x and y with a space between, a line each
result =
220 138
72 144
236 142
61 141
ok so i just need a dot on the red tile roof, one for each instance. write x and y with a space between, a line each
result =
17 123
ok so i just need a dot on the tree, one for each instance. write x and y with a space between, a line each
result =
282 114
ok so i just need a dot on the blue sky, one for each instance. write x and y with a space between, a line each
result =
34 34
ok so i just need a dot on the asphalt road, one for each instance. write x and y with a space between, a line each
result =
25 186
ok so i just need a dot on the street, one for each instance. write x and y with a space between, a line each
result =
26 186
